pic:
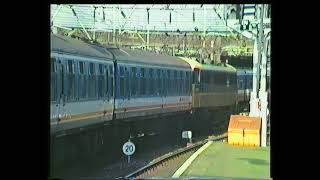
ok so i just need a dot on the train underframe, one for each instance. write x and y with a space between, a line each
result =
146 133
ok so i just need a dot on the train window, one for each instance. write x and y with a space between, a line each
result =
150 82
111 70
241 84
102 81
53 81
201 77
208 76
186 83
81 67
164 82
71 82
100 68
155 82
181 83
121 71
111 80
133 81
218 79
234 80
83 82
180 87
189 82
158 73
53 62
174 83
143 82
170 82
211 78
107 78
70 66
202 80
223 79
227 80
158 85
127 85
91 69
92 82
207 80
61 77
142 72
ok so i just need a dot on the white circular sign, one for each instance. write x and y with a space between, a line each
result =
128 148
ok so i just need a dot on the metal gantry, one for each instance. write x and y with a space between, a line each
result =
140 17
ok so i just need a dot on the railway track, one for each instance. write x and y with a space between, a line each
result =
166 165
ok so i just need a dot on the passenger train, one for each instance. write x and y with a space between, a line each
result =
92 84
101 96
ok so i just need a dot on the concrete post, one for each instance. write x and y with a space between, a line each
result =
254 111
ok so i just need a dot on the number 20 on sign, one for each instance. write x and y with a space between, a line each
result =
128 149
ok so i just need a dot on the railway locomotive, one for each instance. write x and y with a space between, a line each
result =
93 85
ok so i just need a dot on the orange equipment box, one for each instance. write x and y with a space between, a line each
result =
244 130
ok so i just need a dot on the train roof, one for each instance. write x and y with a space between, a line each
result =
144 57
196 64
70 45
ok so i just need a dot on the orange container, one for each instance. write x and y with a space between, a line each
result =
244 130
252 133
235 137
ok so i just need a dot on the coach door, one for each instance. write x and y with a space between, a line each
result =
59 87
106 86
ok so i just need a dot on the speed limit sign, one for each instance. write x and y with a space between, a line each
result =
128 148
